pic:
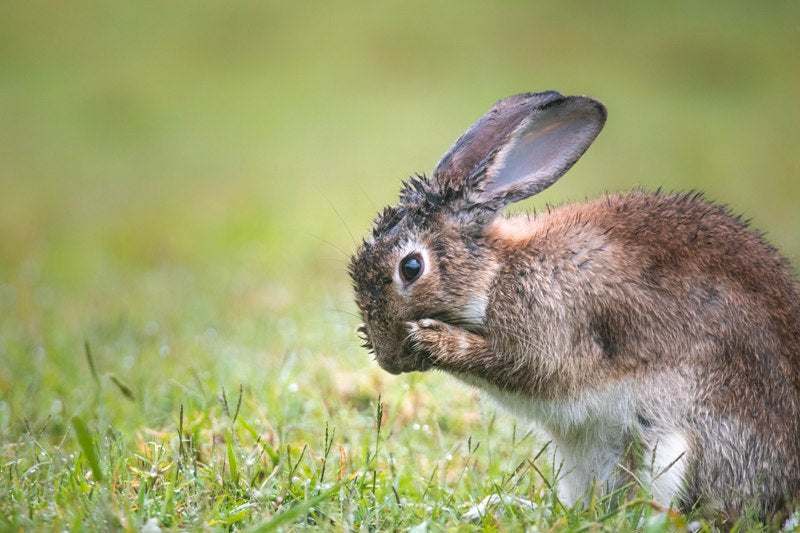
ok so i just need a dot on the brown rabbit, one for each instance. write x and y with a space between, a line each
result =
646 333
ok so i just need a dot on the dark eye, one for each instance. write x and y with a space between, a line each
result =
411 267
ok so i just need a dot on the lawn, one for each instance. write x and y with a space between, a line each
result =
181 185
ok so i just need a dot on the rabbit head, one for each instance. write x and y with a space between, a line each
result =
427 256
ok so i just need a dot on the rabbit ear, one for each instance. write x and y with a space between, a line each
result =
540 150
521 147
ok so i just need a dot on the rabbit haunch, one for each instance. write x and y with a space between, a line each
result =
654 337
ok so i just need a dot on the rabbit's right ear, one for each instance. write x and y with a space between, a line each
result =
520 147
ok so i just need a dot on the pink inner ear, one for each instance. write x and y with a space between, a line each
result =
544 146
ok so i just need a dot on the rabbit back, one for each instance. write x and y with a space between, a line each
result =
661 317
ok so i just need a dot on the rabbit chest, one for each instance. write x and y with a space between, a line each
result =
600 438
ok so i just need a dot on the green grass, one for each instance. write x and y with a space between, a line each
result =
181 184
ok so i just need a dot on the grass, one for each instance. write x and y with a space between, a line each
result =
252 465
181 185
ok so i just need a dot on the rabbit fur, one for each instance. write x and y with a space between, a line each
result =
653 336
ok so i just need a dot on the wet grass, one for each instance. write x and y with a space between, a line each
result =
181 185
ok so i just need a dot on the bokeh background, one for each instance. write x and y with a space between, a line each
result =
181 182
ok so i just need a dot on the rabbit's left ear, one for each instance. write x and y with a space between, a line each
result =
539 150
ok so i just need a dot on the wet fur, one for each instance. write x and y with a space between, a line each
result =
652 319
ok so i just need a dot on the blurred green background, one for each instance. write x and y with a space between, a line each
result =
181 182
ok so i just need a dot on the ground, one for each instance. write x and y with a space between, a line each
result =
181 186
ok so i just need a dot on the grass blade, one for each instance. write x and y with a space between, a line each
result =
87 445
124 389
294 512
88 351
232 464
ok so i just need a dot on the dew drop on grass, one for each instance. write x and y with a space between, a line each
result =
415 427
293 387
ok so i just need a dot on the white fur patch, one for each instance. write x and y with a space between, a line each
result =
669 463
474 313
792 522
587 432
607 407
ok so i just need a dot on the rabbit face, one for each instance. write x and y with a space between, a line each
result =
429 256
419 263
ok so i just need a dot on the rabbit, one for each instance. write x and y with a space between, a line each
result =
652 336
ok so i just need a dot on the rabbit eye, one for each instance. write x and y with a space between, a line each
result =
411 267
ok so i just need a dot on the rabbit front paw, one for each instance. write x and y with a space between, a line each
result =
428 337
441 343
